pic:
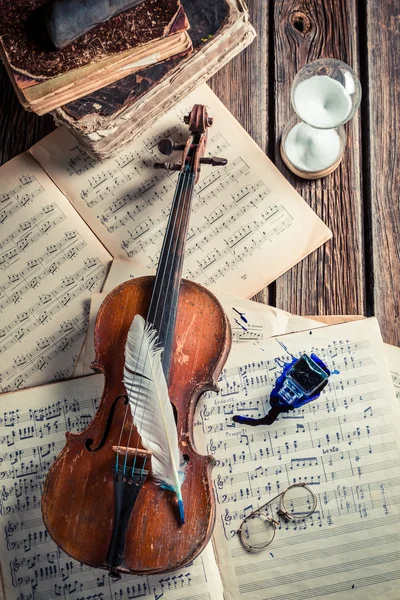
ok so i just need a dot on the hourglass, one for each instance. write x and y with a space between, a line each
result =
325 95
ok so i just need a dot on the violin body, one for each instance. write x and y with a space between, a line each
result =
78 499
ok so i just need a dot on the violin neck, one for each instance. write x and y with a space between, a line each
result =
164 300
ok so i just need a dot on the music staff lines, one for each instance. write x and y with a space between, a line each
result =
80 161
151 226
322 518
51 303
10 256
262 453
106 183
248 333
296 463
257 407
330 353
224 483
40 223
242 385
59 565
305 575
139 590
45 413
318 425
72 423
38 269
14 200
44 351
323 533
316 554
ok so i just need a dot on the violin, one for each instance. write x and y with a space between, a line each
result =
102 501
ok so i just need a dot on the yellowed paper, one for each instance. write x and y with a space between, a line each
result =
248 225
32 566
392 354
79 364
344 445
50 263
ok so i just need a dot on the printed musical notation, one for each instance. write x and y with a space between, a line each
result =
32 433
49 265
392 354
244 214
345 445
23 193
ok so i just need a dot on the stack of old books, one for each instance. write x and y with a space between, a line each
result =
111 83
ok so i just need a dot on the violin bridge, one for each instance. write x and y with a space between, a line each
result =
132 451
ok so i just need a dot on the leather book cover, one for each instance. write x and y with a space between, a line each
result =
33 63
28 52
207 19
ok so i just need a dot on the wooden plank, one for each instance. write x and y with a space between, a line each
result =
331 280
243 86
383 160
19 129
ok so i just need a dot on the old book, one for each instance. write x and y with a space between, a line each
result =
45 79
107 119
66 214
345 445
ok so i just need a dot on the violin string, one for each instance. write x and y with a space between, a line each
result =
134 374
185 184
184 181
188 183
184 209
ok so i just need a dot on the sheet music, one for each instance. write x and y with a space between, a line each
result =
50 263
344 444
32 433
392 354
248 225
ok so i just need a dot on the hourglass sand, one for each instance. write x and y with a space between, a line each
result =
325 94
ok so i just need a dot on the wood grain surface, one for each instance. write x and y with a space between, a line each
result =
382 163
358 272
305 31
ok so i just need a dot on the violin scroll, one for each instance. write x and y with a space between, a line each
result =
195 147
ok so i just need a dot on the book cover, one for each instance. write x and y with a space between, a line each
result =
38 71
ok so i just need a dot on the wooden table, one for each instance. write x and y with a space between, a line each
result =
358 272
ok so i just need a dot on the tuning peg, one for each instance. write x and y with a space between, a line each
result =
168 166
167 146
186 120
214 161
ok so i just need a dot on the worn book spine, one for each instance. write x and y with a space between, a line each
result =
102 135
211 24
26 48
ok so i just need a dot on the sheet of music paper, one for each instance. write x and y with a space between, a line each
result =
248 225
50 263
32 433
344 444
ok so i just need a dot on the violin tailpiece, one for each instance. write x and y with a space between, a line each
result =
126 490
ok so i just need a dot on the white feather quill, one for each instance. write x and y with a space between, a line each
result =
151 407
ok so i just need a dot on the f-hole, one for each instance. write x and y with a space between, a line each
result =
89 442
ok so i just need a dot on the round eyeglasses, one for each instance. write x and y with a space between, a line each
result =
258 529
